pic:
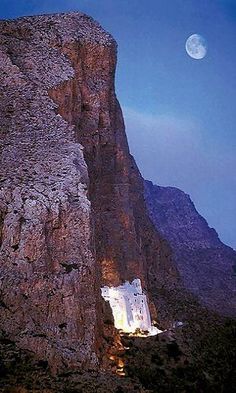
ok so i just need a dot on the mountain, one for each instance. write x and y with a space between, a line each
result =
74 217
205 264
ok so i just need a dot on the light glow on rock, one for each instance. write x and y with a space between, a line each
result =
130 308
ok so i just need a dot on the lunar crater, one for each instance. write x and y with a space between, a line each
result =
196 46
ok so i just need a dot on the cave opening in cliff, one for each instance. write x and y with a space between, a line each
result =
130 309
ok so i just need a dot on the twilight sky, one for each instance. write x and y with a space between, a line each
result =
180 113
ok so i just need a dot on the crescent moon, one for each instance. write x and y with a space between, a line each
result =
196 46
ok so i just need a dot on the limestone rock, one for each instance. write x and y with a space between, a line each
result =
47 270
72 210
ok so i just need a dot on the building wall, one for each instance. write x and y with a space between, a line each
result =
129 306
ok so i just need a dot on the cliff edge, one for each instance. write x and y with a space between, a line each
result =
73 215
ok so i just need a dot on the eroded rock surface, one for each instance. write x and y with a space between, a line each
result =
204 262
47 271
72 212
72 220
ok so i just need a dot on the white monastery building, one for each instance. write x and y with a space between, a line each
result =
130 308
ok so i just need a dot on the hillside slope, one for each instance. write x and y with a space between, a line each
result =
204 262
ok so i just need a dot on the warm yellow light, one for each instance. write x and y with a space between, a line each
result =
120 363
121 373
120 368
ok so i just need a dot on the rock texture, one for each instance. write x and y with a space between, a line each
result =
72 220
127 245
73 217
204 262
48 284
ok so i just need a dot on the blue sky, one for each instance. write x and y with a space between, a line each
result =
180 113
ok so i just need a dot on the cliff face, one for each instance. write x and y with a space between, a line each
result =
127 245
204 262
48 271
72 210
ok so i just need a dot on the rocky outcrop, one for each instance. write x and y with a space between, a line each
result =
49 293
73 216
127 245
204 262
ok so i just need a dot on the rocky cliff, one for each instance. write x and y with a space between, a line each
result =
73 215
204 262
48 270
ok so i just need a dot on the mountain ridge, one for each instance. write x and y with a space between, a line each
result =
204 262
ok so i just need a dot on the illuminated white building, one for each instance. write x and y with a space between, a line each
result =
129 307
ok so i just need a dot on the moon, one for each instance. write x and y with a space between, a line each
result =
196 46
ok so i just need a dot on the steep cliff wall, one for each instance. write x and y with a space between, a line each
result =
49 293
127 245
204 262
72 220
